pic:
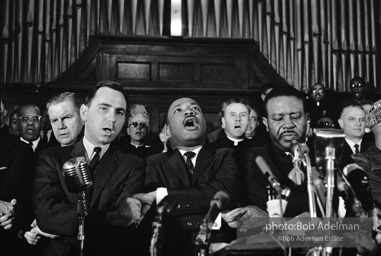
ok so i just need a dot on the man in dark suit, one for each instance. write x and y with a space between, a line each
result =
208 172
117 176
30 126
352 122
15 195
64 118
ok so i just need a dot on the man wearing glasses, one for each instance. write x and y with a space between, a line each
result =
138 129
30 125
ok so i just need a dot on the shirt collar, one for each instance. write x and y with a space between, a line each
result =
352 144
196 151
35 142
89 147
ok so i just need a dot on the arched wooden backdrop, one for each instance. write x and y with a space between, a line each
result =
305 41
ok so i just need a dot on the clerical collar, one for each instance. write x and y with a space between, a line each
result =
137 146
89 147
235 141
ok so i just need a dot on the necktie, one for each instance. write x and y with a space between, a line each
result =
31 144
357 148
95 160
189 155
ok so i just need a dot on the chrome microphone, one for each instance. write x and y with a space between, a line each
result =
77 175
266 170
167 205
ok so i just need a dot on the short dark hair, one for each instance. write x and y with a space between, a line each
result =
110 84
284 90
65 96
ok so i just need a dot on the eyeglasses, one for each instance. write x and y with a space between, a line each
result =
141 125
34 119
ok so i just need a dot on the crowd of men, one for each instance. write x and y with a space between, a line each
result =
133 170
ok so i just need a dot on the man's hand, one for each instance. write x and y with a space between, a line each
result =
146 200
247 215
36 233
128 211
7 212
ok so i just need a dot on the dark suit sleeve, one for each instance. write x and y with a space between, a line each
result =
54 213
221 174
255 182
16 180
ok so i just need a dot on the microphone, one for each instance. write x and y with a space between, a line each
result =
167 205
217 205
265 168
77 175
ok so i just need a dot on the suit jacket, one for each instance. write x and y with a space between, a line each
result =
347 153
16 160
119 176
215 170
256 182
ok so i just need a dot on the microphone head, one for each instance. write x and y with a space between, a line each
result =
167 205
77 175
350 167
221 199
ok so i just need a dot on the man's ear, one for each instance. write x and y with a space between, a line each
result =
83 112
223 122
341 123
264 121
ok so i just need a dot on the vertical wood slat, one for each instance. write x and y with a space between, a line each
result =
19 39
204 12
134 11
260 24
12 41
277 33
315 29
5 40
78 8
360 42
240 16
161 15
30 26
344 42
61 60
147 9
229 10
109 16
335 44
324 41
217 13
53 49
251 20
306 40
285 32
374 40
40 31
190 16
299 42
352 44
269 28
292 40
121 15
88 21
69 15
47 33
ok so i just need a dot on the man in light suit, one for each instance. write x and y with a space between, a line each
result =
167 174
117 176
352 122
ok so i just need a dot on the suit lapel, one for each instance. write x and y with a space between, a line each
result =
177 163
203 160
107 166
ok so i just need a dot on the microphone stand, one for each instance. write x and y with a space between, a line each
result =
82 213
155 236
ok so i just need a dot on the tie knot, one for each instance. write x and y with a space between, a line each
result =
97 149
189 154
